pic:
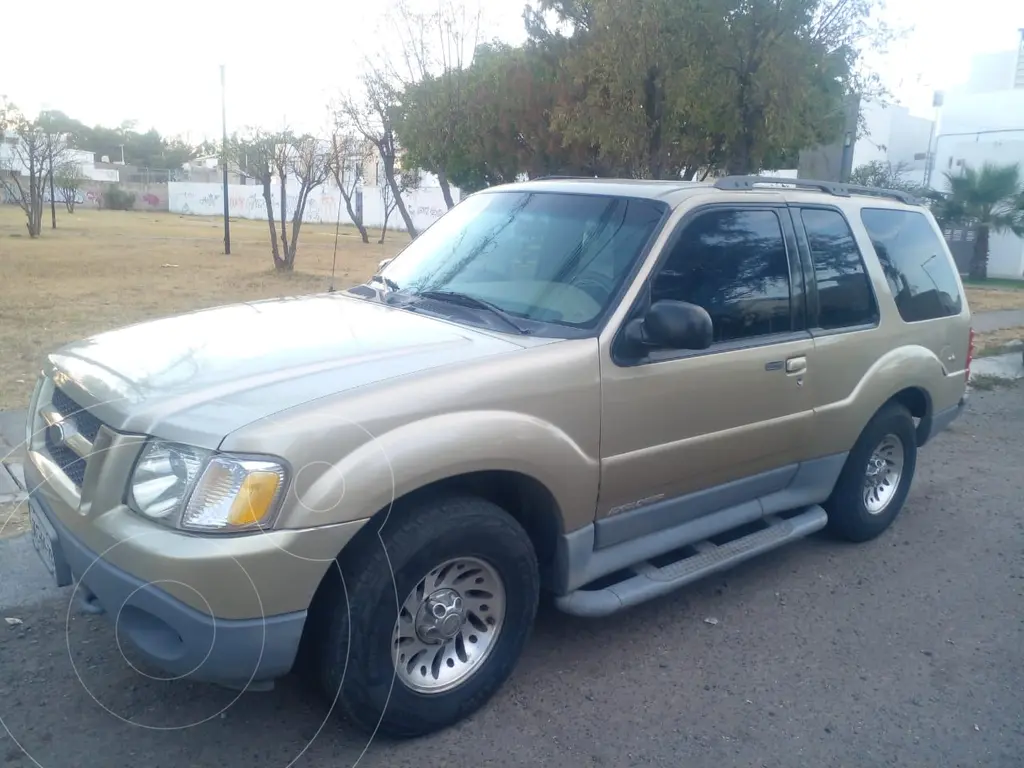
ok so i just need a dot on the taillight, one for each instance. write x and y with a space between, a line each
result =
970 354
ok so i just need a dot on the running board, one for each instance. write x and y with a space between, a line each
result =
646 581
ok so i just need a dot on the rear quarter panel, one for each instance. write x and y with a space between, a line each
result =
855 373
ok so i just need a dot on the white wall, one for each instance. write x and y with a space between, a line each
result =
895 136
991 72
1006 256
246 202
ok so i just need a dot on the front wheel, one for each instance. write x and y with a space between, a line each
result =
876 478
432 618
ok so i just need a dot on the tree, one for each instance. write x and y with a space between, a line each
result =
348 154
68 180
255 154
991 199
407 180
372 113
307 159
885 175
35 151
436 49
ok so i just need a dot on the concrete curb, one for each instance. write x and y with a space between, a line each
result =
1008 367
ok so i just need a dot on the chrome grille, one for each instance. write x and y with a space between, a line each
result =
69 431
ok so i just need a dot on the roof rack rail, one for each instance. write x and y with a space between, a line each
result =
556 178
831 187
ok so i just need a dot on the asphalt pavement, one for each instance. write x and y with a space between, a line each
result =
907 651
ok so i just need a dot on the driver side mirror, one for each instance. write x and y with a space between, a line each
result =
671 325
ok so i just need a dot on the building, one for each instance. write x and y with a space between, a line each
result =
11 160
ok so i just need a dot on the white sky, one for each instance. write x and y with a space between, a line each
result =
112 60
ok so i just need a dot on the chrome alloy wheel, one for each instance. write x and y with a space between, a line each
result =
883 473
448 625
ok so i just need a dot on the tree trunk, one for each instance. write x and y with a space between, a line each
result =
285 264
446 188
979 258
389 172
357 218
53 199
269 200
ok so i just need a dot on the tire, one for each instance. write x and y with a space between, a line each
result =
856 515
357 622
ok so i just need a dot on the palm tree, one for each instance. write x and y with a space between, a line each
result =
991 199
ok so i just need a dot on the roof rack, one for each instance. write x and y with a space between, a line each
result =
830 187
557 178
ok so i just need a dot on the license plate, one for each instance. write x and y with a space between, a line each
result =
43 537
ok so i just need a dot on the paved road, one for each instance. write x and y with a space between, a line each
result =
906 651
997 320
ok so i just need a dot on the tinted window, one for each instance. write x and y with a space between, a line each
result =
548 257
915 263
733 263
844 290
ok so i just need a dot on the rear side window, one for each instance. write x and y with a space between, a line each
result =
845 297
915 263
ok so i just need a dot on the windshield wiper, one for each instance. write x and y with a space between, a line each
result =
465 300
385 281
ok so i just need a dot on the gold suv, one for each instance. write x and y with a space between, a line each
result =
600 389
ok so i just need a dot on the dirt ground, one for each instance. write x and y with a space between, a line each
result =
13 519
997 342
991 299
104 269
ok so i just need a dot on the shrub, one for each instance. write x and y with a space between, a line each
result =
117 199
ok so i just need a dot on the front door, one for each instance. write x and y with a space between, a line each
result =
676 422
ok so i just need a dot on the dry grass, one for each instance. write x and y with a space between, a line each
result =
13 520
996 342
104 269
991 299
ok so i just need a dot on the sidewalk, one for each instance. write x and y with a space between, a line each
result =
999 320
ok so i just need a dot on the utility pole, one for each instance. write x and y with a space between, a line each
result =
224 161
53 203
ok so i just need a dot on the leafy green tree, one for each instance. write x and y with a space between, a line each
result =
991 199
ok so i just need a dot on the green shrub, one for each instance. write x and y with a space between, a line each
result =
117 199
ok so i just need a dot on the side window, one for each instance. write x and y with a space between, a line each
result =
915 263
733 264
845 297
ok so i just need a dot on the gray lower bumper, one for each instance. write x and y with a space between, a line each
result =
941 420
171 635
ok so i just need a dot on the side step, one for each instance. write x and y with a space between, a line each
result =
646 581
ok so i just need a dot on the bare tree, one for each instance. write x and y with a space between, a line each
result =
348 154
254 154
437 48
406 180
33 154
68 179
307 159
372 114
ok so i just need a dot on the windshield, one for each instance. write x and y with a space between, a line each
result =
540 256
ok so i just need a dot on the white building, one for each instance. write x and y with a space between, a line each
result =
982 121
11 160
893 135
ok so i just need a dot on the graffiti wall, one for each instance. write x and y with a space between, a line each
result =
325 205
148 197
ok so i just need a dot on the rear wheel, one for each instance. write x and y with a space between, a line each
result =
431 624
877 476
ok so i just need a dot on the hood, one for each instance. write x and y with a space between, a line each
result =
197 377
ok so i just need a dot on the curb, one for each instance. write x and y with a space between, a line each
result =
1008 367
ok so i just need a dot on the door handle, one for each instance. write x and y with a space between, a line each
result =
796 365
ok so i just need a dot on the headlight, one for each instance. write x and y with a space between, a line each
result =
200 491
163 477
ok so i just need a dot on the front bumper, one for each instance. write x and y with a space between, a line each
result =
171 635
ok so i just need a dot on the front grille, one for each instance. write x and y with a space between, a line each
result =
87 425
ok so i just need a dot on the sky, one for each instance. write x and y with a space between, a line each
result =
112 60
